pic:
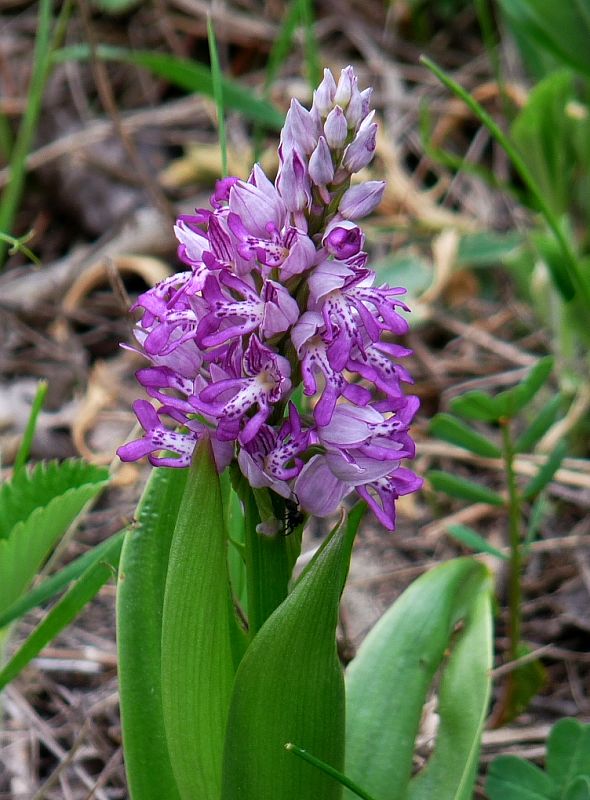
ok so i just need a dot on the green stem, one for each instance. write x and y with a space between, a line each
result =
269 562
577 278
514 535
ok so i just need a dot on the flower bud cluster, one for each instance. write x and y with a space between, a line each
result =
277 296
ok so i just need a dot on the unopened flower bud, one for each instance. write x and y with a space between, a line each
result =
344 240
361 200
293 180
321 168
336 128
366 95
354 110
345 86
300 129
323 97
360 151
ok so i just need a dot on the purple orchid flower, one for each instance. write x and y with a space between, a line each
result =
277 294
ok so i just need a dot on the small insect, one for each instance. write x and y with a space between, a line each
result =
293 517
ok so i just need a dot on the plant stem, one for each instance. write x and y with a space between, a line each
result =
269 563
514 536
578 279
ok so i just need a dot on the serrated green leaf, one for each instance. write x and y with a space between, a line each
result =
469 537
57 582
140 599
32 489
289 688
578 789
24 547
462 488
477 405
512 401
540 425
546 472
568 752
185 73
64 611
388 683
513 778
450 429
197 659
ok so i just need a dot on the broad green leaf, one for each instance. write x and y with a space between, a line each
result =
389 680
552 256
512 401
64 611
546 472
477 405
60 492
140 599
578 789
463 698
469 537
568 752
542 133
289 688
59 581
197 660
543 420
450 429
512 778
487 248
455 486
187 74
561 29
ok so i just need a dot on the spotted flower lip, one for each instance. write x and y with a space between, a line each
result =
276 301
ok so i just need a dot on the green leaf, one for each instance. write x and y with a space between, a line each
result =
140 599
512 401
543 420
477 405
523 683
463 698
546 472
37 509
561 29
450 429
187 74
462 488
568 752
389 680
472 539
64 611
289 688
487 248
197 661
543 133
217 83
578 789
115 6
57 582
27 440
513 778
